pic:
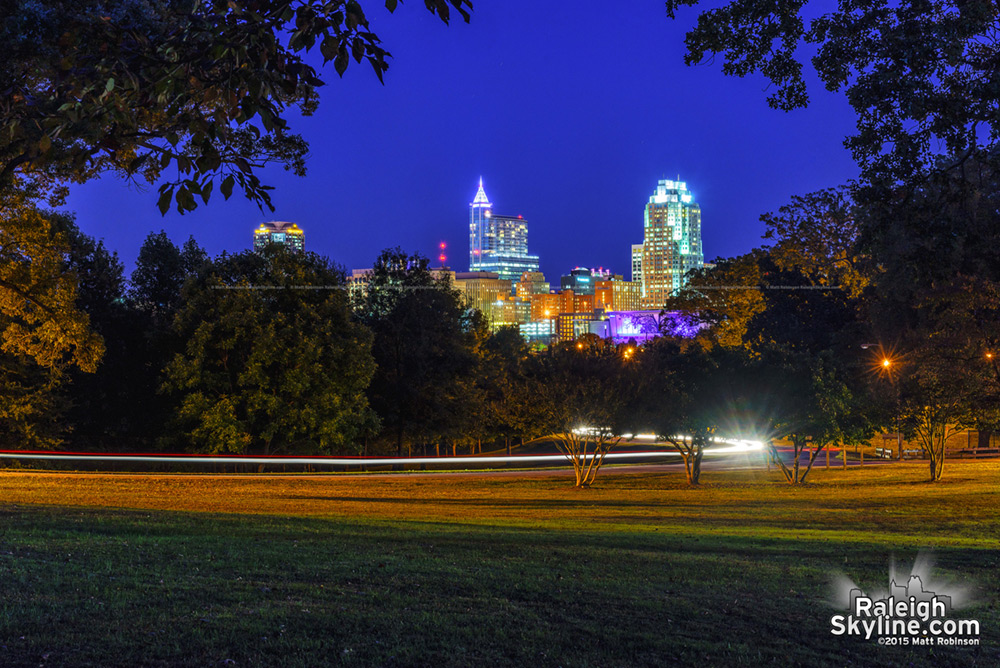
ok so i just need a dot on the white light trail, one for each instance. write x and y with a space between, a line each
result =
733 446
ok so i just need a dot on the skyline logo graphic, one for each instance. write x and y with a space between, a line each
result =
915 613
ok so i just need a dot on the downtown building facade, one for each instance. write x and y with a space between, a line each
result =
498 243
279 232
671 244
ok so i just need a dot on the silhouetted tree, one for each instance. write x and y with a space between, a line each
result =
270 365
423 348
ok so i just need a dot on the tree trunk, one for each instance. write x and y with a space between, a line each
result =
695 477
797 451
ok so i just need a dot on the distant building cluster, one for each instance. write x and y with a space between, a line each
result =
505 284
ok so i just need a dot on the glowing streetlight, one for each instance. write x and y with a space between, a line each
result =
885 367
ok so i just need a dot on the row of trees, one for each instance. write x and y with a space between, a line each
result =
884 322
912 246
825 336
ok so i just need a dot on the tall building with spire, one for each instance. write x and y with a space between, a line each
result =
498 243
671 242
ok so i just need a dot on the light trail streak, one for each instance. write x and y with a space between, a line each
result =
733 446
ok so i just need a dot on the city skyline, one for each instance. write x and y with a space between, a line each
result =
570 143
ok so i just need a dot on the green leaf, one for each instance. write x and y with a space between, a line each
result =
110 86
329 47
44 144
340 62
391 5
166 195
206 190
227 186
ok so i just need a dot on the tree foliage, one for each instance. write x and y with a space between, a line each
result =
196 92
682 397
936 307
585 397
39 318
819 235
723 298
272 361
423 347
917 73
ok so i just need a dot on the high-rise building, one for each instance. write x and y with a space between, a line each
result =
498 243
637 263
671 242
288 235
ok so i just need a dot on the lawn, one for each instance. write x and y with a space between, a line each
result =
399 570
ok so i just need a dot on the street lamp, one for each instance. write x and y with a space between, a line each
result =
886 366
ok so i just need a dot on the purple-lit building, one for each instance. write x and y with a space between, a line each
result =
641 326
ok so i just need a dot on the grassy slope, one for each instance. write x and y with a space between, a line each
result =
404 570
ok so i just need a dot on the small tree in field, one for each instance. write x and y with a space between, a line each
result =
584 395
938 399
681 398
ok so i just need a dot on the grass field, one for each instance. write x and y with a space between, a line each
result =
403 570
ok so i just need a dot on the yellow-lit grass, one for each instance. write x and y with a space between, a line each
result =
499 570
881 503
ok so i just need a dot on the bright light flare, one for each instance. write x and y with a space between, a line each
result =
720 446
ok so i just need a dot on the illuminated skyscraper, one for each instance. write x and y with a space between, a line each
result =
288 235
498 243
637 263
671 243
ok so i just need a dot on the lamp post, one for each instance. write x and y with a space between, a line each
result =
886 367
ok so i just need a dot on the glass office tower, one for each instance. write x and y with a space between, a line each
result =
498 243
671 243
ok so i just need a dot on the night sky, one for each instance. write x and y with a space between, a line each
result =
570 112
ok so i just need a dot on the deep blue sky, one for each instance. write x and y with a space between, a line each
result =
569 111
